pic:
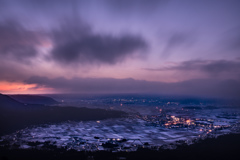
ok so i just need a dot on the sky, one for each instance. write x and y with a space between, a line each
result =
120 46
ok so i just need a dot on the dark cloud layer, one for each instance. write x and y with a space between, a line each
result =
74 42
16 42
197 87
213 67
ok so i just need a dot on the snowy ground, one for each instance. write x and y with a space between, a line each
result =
145 127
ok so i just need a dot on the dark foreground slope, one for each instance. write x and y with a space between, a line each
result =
34 99
15 115
224 147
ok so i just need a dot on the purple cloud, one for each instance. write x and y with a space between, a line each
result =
16 42
75 43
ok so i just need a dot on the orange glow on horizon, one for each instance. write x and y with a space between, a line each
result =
21 88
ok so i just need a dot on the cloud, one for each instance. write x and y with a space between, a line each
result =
231 39
11 72
195 87
217 67
16 42
176 41
87 84
211 67
124 6
74 43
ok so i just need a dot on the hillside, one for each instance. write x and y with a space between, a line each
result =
34 99
15 115
9 103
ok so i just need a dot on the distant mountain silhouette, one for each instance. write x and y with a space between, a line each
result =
34 99
9 103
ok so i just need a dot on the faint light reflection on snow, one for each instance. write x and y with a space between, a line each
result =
127 134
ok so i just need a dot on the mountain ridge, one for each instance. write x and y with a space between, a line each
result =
34 99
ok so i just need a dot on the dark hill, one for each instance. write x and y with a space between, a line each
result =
34 99
15 115
9 103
